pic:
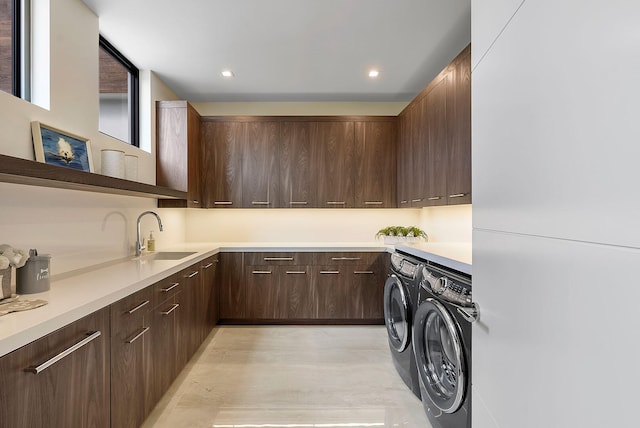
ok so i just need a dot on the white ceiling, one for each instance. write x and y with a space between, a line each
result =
288 50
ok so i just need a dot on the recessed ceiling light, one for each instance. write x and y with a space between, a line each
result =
374 73
227 73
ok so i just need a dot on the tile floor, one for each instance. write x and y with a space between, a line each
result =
293 377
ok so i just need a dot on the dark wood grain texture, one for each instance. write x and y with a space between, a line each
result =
298 168
195 307
164 339
459 128
260 163
375 164
278 258
300 292
265 295
28 172
436 120
232 289
405 160
74 392
223 150
419 153
332 292
335 151
209 269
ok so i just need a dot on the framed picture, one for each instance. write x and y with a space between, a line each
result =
56 147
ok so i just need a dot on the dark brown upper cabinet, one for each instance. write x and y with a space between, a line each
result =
260 162
375 164
178 152
335 151
222 160
435 116
298 167
405 161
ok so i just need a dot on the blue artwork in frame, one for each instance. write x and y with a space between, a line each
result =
55 147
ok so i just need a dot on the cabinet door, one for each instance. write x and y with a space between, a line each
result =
334 143
366 291
436 107
419 153
375 148
164 344
405 160
194 175
260 178
232 289
72 392
299 292
298 168
459 129
265 296
331 288
209 269
194 306
222 144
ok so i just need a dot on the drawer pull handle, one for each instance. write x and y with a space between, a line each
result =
195 202
222 203
192 274
139 335
416 200
373 202
90 336
363 272
259 202
296 272
141 305
173 308
345 258
336 203
298 203
207 266
434 198
169 288
457 195
403 202
261 272
278 259
329 272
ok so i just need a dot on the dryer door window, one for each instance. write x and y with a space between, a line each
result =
439 356
396 314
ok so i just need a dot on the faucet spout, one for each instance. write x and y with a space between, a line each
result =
139 246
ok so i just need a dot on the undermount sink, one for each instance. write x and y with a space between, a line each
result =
168 255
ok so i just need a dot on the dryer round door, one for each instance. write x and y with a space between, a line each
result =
439 355
397 316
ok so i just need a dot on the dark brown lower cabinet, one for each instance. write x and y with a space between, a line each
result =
300 292
366 292
167 356
332 291
209 270
264 293
231 286
72 392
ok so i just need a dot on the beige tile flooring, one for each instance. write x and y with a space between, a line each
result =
290 377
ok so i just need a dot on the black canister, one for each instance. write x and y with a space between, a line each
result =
33 277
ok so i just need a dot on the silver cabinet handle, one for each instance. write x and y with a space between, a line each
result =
141 305
471 314
373 202
329 272
222 203
336 203
416 200
173 308
207 266
298 203
345 258
363 272
434 198
90 336
169 288
192 274
259 202
139 335
195 202
278 259
261 272
403 202
296 272
457 195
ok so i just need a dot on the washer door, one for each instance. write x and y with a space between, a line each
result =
439 355
397 314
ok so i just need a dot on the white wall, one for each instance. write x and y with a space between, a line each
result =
447 223
555 222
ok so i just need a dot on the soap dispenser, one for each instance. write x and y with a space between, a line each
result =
151 243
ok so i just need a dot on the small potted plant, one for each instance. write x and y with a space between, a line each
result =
10 259
398 234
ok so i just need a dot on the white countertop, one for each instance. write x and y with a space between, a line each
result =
77 294
456 256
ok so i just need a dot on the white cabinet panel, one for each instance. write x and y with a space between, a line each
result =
557 343
556 123
488 18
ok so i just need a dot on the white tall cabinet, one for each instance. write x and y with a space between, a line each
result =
556 212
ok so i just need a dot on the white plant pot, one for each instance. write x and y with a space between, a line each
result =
391 240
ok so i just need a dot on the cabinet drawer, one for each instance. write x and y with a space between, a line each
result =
130 310
346 258
167 288
269 258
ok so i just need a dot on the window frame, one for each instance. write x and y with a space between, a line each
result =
21 49
134 89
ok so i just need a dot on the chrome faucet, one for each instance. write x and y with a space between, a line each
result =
139 246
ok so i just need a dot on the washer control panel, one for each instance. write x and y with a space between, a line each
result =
446 287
